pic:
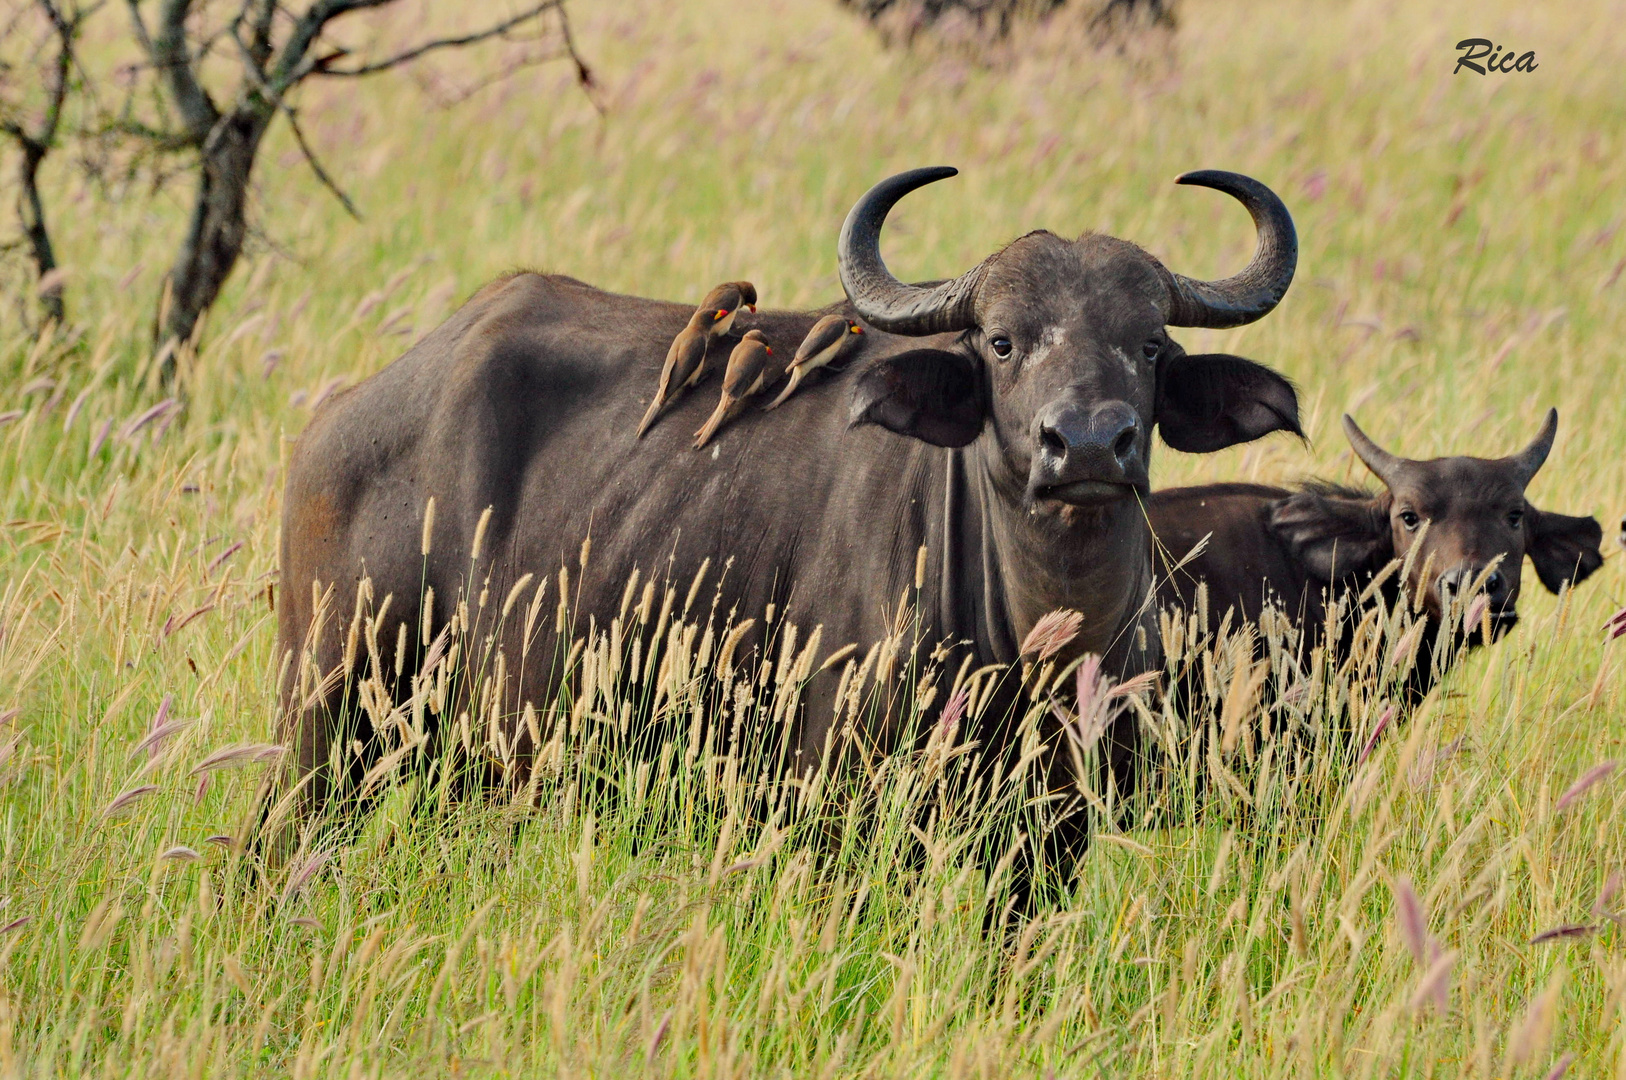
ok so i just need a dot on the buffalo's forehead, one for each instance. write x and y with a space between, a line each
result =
1103 286
1458 487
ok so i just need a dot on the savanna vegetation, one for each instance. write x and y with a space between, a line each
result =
1436 898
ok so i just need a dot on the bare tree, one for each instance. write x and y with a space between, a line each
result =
32 115
901 22
271 48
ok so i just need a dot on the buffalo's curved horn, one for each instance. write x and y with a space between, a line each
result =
883 299
1260 286
1530 460
1380 461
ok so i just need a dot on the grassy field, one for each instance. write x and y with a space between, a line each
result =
1462 270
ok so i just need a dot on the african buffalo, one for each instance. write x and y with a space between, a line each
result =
1300 550
1001 420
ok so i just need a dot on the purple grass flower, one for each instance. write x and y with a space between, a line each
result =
1589 778
954 710
1567 930
124 799
1377 733
232 757
1053 631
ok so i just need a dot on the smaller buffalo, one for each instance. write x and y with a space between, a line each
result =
1300 550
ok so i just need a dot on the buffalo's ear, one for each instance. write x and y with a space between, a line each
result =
1335 534
927 394
1563 548
1206 403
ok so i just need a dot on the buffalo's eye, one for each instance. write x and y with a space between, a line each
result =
1151 349
1002 346
1409 519
1515 518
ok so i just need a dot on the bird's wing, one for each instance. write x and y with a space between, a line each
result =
745 366
694 349
825 333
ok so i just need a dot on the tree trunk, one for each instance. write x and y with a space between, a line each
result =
214 238
31 213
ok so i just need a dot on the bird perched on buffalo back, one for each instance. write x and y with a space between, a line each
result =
751 366
723 303
831 337
686 359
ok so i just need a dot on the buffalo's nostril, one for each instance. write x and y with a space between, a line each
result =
1453 582
1079 445
1124 445
1493 582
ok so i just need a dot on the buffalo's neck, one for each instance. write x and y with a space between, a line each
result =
1026 561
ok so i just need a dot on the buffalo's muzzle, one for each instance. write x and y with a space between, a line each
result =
1497 591
1455 581
1086 454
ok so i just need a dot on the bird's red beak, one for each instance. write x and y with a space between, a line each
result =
769 349
752 307
722 313
856 329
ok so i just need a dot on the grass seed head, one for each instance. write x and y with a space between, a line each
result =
1588 780
1410 920
1051 633
124 799
232 757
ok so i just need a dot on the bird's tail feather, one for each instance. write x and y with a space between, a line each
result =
655 409
718 417
790 388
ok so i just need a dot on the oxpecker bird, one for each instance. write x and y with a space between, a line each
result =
723 303
684 362
750 368
830 337
686 359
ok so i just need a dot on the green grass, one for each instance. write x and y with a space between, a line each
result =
1461 271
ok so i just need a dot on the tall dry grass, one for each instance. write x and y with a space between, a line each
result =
1443 907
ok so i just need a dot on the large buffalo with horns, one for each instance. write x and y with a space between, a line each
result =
1002 421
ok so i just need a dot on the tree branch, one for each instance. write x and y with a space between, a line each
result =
140 26
37 144
451 43
260 43
170 57
256 75
316 166
584 74
168 142
290 66
58 92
